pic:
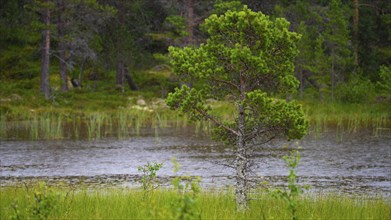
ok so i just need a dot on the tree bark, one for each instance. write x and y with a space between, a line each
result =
190 22
300 73
119 79
355 32
332 73
241 161
61 46
45 52
129 79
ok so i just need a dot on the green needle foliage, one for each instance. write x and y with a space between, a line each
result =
248 60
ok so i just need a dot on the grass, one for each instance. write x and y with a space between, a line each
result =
348 118
127 203
60 122
101 111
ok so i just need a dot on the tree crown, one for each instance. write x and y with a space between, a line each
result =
251 58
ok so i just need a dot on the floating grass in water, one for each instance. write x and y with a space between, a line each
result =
76 126
123 121
34 128
120 123
47 126
3 125
94 125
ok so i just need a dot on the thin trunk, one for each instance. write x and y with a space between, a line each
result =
119 79
301 81
45 87
355 32
61 46
332 73
129 79
81 72
190 21
241 161
120 56
123 80
320 89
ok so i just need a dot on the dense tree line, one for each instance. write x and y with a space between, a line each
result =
344 43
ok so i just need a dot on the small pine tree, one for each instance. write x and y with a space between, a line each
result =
248 60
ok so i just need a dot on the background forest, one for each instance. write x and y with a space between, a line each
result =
114 47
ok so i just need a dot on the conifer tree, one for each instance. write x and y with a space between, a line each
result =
337 42
250 58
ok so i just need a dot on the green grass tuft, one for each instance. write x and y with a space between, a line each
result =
126 203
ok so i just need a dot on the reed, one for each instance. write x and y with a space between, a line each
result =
127 203
76 126
34 127
3 125
347 118
45 126
124 120
52 123
94 125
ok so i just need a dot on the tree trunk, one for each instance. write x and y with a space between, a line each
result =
119 78
129 79
45 50
190 22
241 163
241 160
332 73
61 46
300 73
355 32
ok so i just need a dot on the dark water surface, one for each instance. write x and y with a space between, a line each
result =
360 163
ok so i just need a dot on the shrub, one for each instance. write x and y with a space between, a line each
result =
356 90
385 81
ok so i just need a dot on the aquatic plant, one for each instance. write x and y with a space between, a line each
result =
123 121
3 125
94 125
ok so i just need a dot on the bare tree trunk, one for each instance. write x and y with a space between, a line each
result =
241 161
332 73
355 32
129 79
190 22
61 46
45 50
300 73
119 79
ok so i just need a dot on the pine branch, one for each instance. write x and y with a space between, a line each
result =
214 120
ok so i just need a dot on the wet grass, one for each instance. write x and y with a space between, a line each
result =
348 118
103 113
92 125
126 203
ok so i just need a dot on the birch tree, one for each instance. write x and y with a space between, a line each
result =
249 58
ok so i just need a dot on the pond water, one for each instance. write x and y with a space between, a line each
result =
358 163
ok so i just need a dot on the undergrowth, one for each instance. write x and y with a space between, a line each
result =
127 203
